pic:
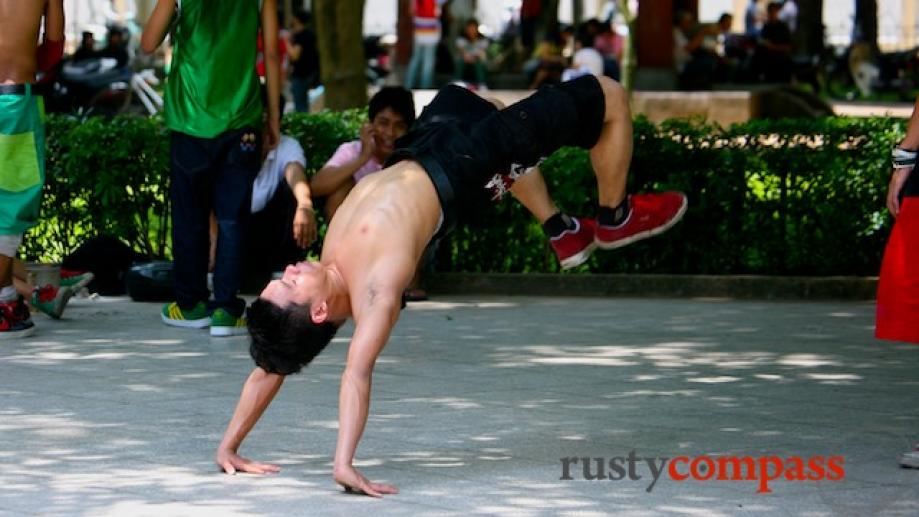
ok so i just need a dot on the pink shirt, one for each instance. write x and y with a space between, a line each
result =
348 152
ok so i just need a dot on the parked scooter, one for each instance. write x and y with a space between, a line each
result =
97 86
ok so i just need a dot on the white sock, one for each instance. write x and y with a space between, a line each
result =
8 294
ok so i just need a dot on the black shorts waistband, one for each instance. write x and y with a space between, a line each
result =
14 89
445 193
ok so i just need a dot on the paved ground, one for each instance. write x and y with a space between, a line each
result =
477 400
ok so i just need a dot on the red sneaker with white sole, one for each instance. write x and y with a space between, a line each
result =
573 247
650 215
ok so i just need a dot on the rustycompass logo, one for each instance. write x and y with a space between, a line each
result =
760 469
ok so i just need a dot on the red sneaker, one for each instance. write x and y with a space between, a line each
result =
15 321
650 215
573 247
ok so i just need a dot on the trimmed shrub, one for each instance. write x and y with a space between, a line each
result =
789 197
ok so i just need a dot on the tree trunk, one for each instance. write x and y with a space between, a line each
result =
288 12
809 36
340 31
866 24
548 19
577 11
629 57
404 33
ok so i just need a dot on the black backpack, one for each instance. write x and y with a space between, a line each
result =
108 259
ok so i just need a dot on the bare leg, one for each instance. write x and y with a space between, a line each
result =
612 154
21 279
531 191
6 271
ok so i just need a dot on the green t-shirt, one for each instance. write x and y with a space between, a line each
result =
213 86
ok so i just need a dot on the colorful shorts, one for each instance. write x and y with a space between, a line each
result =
22 158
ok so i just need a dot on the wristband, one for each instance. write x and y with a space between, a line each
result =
903 159
49 54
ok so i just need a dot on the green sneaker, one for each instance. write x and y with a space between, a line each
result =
225 324
77 281
195 318
51 300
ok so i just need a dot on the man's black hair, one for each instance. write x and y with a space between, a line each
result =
585 37
285 340
395 98
302 16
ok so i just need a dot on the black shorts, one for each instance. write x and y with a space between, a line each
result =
462 140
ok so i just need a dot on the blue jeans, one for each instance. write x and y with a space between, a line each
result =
211 174
300 89
423 57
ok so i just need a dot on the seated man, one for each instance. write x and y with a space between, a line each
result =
380 231
283 224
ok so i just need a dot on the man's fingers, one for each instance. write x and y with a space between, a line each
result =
227 467
260 468
368 489
384 488
893 204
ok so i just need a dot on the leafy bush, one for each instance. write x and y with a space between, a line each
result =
767 197
104 177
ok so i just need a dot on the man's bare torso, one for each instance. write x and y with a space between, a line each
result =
379 233
20 21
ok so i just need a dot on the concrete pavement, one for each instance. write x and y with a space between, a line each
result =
477 400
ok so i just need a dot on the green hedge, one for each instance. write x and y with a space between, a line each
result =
799 197
795 197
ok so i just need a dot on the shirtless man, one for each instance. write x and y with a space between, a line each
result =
22 136
375 240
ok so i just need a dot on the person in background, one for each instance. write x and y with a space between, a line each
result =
610 44
548 62
426 20
87 48
586 60
471 49
789 15
116 47
772 60
693 52
754 18
530 11
304 60
391 113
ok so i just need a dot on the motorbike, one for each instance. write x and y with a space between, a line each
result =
97 86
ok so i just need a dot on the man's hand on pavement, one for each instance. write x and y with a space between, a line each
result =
231 462
352 480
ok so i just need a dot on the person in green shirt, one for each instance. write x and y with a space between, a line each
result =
214 111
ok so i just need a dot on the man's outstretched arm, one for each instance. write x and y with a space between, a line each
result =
373 327
258 392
